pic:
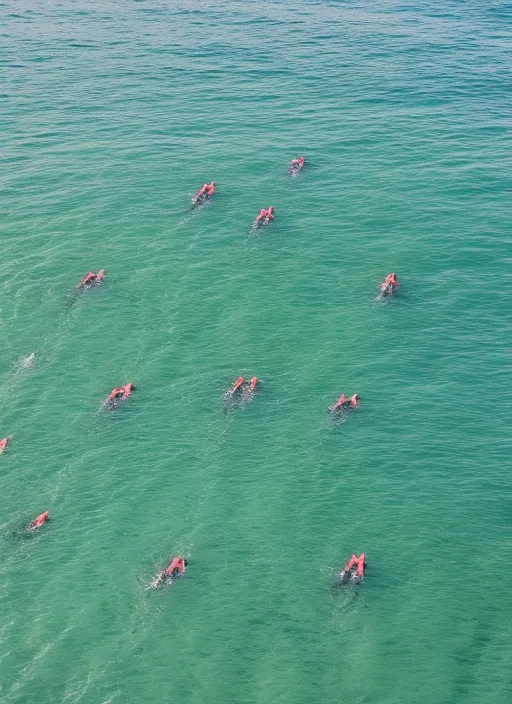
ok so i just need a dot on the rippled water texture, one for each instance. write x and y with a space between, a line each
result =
112 115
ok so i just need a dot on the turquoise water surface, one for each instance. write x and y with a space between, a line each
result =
112 116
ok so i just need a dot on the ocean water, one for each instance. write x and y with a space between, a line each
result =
112 115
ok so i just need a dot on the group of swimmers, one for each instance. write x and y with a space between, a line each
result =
241 389
266 215
353 572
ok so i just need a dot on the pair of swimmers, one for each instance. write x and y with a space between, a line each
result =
352 572
176 568
242 388
266 216
207 191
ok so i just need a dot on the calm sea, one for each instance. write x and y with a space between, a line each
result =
112 115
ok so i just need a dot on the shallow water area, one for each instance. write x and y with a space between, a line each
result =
113 117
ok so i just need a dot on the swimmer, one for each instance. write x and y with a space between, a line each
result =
248 388
389 286
353 570
177 567
4 442
39 521
204 193
265 217
296 165
91 280
344 402
119 395
236 386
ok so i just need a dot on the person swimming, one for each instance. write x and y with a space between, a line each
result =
91 279
236 386
176 568
296 165
344 402
353 570
389 286
265 217
39 521
248 388
204 193
4 442
119 395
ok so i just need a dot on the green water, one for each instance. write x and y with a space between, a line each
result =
112 116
